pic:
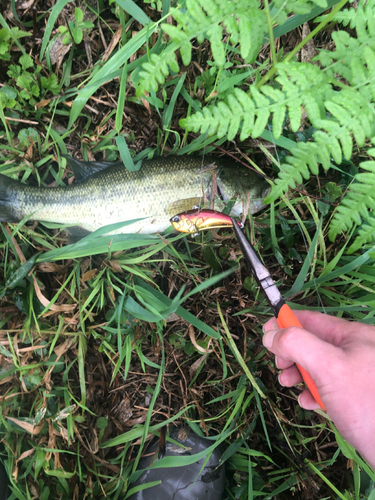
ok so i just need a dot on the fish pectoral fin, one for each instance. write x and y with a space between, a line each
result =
83 170
179 206
75 233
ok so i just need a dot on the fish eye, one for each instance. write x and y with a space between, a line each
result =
176 218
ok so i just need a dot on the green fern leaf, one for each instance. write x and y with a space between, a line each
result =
279 112
332 144
312 107
306 153
213 9
179 37
288 176
263 112
365 235
294 100
358 204
231 26
156 70
284 7
196 12
185 51
359 18
334 130
322 152
246 33
252 40
358 72
248 115
215 34
346 143
278 109
244 21
176 34
236 114
224 118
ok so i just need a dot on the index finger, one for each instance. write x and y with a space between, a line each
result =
328 328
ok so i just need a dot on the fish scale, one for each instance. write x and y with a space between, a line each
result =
108 194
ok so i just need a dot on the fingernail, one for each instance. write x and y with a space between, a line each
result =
268 338
282 385
268 326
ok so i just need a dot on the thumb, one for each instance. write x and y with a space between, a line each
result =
298 345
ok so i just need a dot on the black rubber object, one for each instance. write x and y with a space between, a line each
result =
186 482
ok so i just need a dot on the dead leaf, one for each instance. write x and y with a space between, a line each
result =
123 411
59 50
89 275
64 347
31 428
114 265
51 267
42 104
61 432
172 317
26 454
146 104
115 39
51 440
194 367
195 344
308 51
52 307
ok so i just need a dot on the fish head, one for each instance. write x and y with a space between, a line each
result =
238 182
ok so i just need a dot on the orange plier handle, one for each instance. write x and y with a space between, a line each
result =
286 318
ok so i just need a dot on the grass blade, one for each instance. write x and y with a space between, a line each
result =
136 12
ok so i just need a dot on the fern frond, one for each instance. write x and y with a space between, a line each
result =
155 71
306 156
366 234
357 18
303 85
336 116
358 205
243 20
353 58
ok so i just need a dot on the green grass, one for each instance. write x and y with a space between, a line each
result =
96 350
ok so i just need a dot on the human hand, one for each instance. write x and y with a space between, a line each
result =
340 357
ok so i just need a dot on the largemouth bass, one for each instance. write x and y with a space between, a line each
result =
107 193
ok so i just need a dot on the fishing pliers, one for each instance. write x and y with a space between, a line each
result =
283 313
